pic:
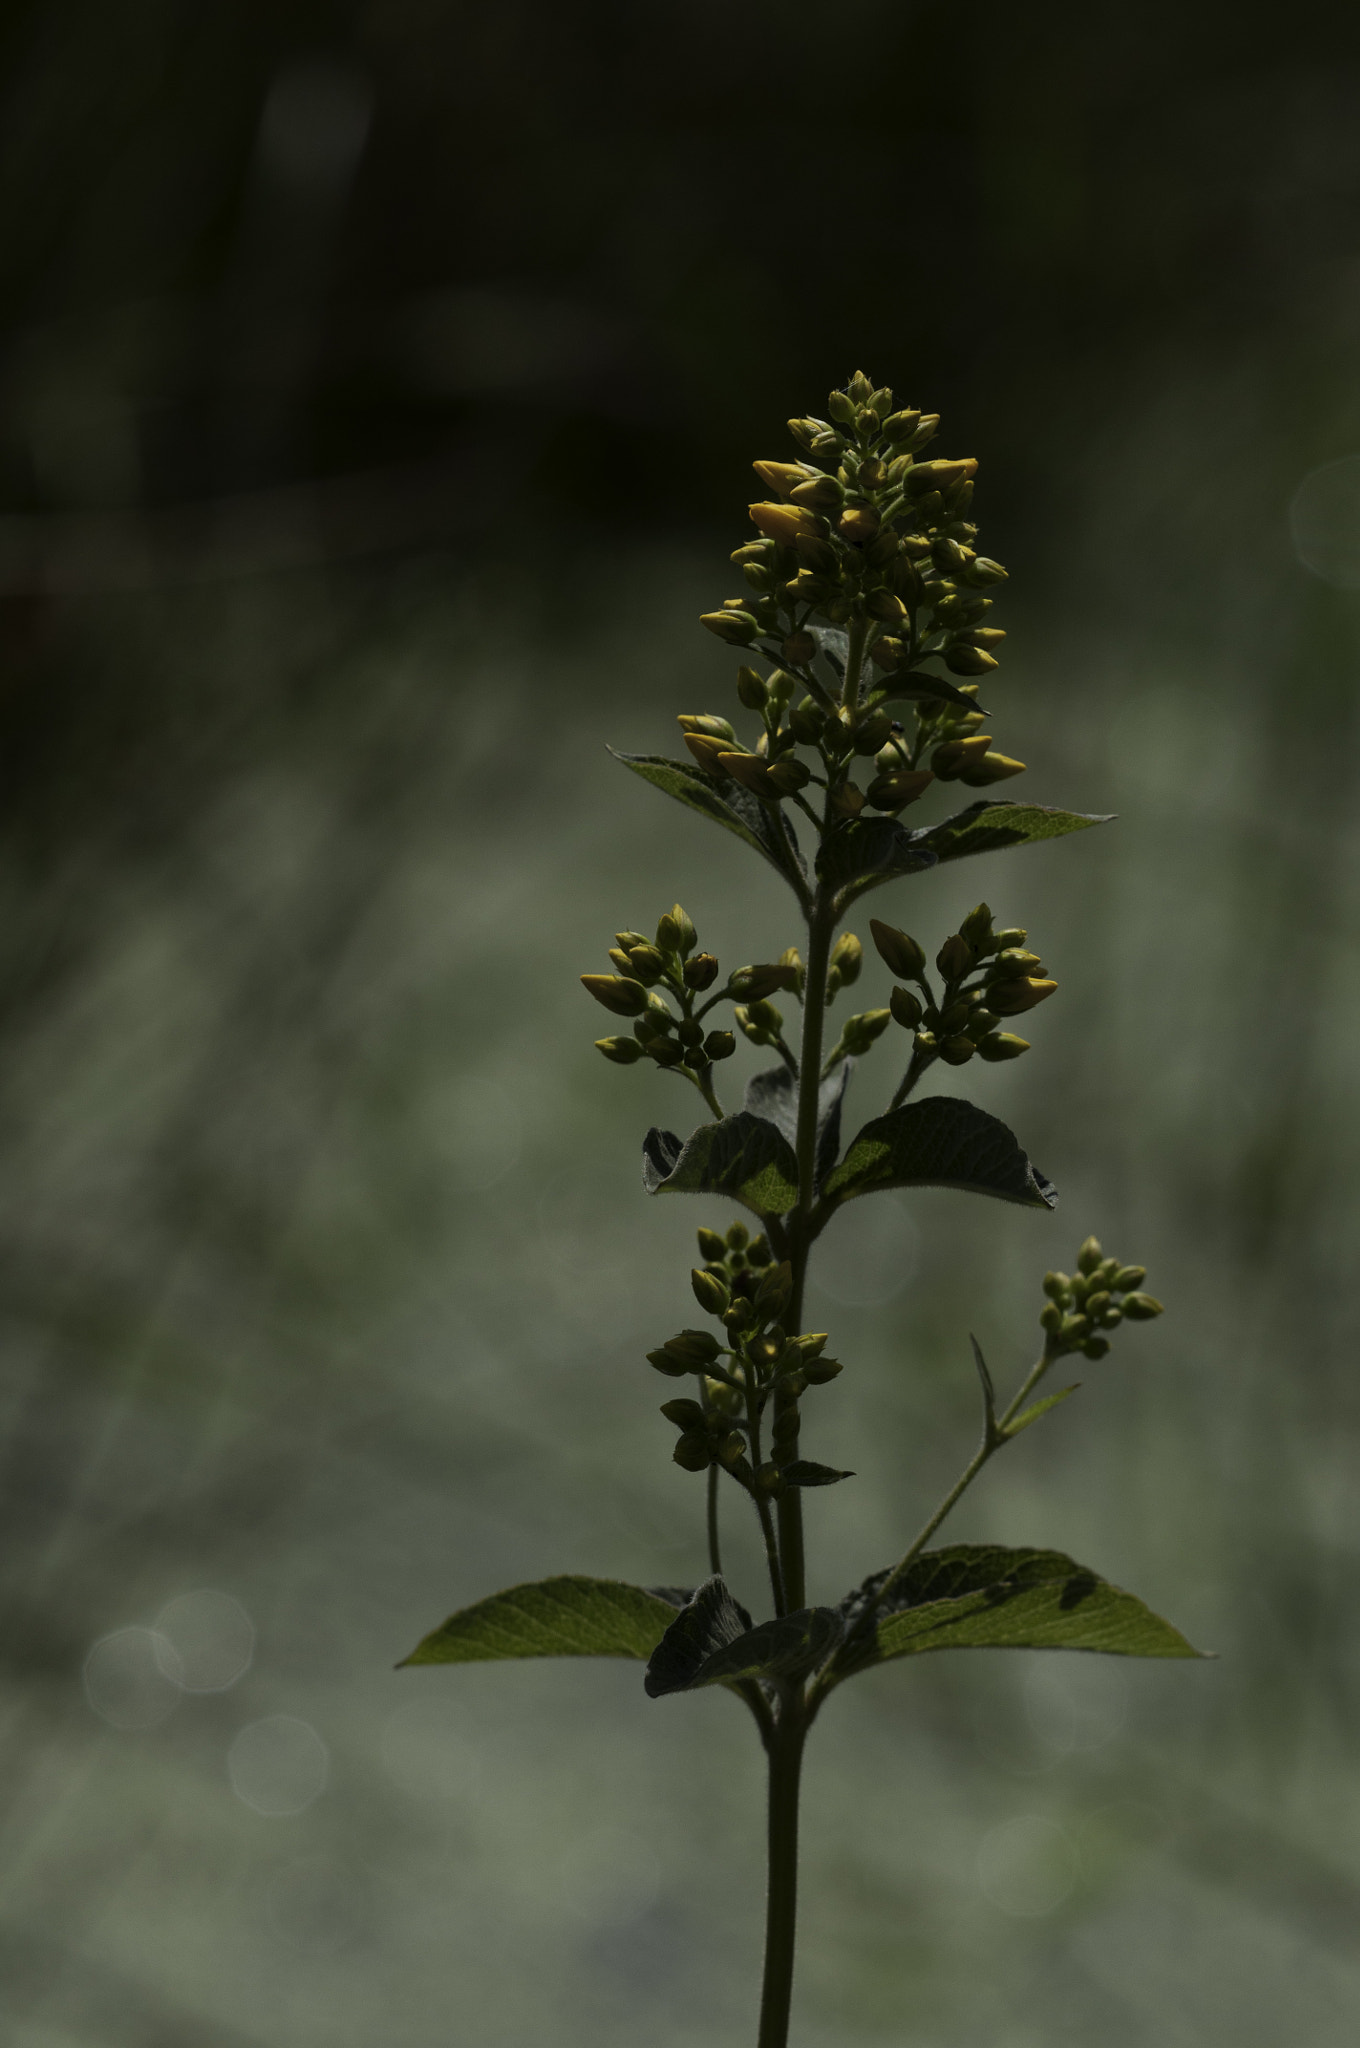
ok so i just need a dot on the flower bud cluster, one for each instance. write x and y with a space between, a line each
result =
988 976
1098 1297
643 969
758 1367
865 533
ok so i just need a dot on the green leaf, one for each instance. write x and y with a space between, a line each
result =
773 1095
762 826
743 1156
984 1597
566 1617
712 1642
916 683
989 824
802 1472
1038 1408
862 853
941 1142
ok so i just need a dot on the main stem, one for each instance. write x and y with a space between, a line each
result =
786 1762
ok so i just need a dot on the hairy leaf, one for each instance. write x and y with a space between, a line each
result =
861 853
743 1156
712 1642
802 1472
942 1142
981 1597
566 1617
773 1095
762 826
993 823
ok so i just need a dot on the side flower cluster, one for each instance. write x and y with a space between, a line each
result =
1082 1307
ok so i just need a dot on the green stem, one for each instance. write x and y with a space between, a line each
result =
854 659
714 1553
781 1911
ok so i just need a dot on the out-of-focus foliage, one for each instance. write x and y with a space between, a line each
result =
374 379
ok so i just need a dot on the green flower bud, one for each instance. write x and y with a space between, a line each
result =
624 997
1012 962
619 961
753 984
1141 1308
1002 1045
707 724
708 753
1050 1318
684 1413
937 475
767 1479
807 722
841 408
1127 1278
848 799
666 1361
780 476
822 493
954 958
806 431
1013 936
1013 998
958 1051
738 1314
693 1451
1096 1347
905 1008
751 689
712 1243
720 1045
969 661
1057 1286
788 777
1089 1257
730 1448
774 1291
983 572
737 1238
1096 1303
847 958
1074 1330
647 965
898 950
695 1348
858 524
665 1052
675 932
900 426
926 1044
738 629
710 1292
858 1033
821 1370
700 971
977 929
758 1252
1112 1317
625 1052
690 1031
993 767
980 1025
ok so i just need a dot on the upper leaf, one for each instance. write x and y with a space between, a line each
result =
712 1642
942 1142
982 1597
916 683
566 1617
762 826
773 1095
743 1156
992 823
860 853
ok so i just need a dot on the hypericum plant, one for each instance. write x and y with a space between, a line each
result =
865 580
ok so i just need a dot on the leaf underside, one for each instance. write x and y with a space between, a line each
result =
986 1597
744 1157
940 1142
862 853
712 1642
989 825
762 826
563 1617
773 1095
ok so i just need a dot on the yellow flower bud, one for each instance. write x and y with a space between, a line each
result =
1013 998
858 523
783 523
900 787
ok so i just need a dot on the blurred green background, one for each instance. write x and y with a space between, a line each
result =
378 390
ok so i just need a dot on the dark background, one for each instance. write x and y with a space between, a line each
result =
377 397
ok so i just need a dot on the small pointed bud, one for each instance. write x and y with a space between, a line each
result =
841 408
767 1479
788 777
709 1291
1089 1257
1057 1286
730 1448
847 798
894 791
899 952
936 475
738 629
666 1361
954 958
647 965
753 984
627 939
617 993
1128 1278
957 1051
780 476
783 523
858 524
665 1052
1013 998
986 637
708 753
1095 1347
859 390
925 433
900 426
858 1033
619 960
870 733
1002 1045
905 1008
983 572
1012 962
819 1371
847 957
1096 1303
675 932
720 1045
966 661
1141 1308
806 431
751 689
992 768
754 551
977 929
807 722
709 724
1112 1317
1074 1330
625 1052
887 652
684 1413
700 971
738 1314
690 1031
712 1243
1013 936
1050 1318
737 1238
695 1348
693 1451
818 493
775 1290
